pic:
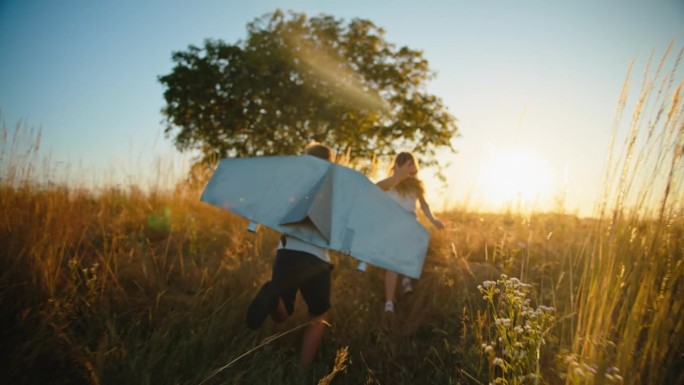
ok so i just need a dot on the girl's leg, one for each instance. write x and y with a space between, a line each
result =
406 285
390 289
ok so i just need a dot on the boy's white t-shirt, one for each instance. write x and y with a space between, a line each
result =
299 245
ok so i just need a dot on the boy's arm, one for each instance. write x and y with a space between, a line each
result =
426 210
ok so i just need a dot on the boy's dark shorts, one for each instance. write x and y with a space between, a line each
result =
297 270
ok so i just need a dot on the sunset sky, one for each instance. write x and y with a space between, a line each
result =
533 84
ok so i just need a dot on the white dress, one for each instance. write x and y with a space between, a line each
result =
406 201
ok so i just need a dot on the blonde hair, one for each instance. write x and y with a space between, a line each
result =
319 150
411 185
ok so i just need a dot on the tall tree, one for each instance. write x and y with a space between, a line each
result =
296 79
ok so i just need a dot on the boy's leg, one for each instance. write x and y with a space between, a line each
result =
276 297
312 340
264 303
316 293
279 313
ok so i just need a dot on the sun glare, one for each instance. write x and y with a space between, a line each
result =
514 177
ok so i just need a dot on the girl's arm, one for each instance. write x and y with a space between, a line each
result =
400 173
389 182
426 210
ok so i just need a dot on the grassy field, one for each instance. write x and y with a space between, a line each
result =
133 288
121 286
151 288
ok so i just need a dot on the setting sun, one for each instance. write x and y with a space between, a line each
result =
514 176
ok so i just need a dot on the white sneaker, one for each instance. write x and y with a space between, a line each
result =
389 307
406 285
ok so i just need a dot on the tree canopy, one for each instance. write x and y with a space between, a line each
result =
296 79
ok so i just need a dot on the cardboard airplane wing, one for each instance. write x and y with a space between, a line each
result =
322 203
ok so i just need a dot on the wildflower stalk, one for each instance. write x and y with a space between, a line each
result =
519 331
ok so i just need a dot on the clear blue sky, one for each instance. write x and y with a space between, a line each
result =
539 79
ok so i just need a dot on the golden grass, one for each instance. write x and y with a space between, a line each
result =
126 286
630 296
122 285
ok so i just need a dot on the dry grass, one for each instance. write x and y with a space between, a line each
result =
631 291
125 286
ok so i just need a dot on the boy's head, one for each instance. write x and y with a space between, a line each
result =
319 150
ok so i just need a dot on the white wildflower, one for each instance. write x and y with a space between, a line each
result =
534 379
503 321
589 369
